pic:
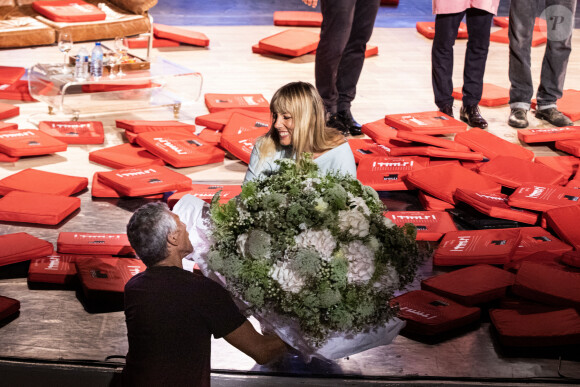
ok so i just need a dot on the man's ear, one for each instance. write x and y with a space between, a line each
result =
172 238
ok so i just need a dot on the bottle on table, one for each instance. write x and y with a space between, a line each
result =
82 65
97 61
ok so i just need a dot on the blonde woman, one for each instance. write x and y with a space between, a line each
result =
299 126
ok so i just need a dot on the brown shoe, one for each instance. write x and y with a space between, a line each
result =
472 116
553 116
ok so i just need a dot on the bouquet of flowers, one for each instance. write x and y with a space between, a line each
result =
313 258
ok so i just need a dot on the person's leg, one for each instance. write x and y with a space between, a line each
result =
478 27
446 27
521 27
560 21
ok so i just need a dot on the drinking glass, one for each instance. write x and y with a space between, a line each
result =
121 51
65 44
112 61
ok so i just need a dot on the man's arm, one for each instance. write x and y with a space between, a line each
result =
310 3
261 348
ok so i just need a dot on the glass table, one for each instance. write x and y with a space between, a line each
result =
165 83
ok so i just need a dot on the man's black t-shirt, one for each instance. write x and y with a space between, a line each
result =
171 314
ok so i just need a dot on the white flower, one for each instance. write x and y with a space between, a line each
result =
374 244
322 241
241 242
288 279
389 279
321 205
361 262
359 203
388 222
243 214
354 222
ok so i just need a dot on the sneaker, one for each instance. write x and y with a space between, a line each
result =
350 123
335 122
518 118
472 116
447 109
553 116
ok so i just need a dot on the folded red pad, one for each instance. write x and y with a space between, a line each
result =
569 146
442 181
21 246
297 18
100 275
219 119
206 193
19 91
568 104
18 206
543 197
544 329
67 11
501 36
492 95
54 269
8 126
431 225
503 21
549 134
4 158
125 156
75 132
179 149
571 258
566 165
431 140
252 102
426 123
471 285
382 133
512 172
427 29
431 203
29 142
470 247
34 180
548 284
181 35
388 173
364 148
143 42
145 181
9 75
430 314
535 240
494 205
8 111
211 136
491 145
564 222
8 307
291 42
131 137
240 134
101 190
432 151
140 126
93 243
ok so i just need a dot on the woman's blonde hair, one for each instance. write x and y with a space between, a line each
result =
303 103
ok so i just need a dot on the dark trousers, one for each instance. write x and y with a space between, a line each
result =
560 20
446 26
347 26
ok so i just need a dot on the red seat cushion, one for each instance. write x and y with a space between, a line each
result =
491 145
4 158
501 36
101 190
8 307
180 149
426 122
143 42
18 206
543 257
492 95
531 136
69 11
54 269
441 181
470 247
503 21
220 118
297 18
29 142
431 140
569 146
471 285
571 258
8 126
181 35
537 239
520 328
211 136
495 205
427 29
125 156
140 126
9 74
382 133
431 203
431 225
564 222
252 102
430 314
75 132
364 148
512 172
34 180
432 151
240 135
145 181
292 42
18 91
206 193
567 165
99 276
543 197
548 284
8 111
93 243
388 173
21 246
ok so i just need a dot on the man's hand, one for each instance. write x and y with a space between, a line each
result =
310 3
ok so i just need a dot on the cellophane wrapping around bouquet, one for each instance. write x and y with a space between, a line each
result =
313 258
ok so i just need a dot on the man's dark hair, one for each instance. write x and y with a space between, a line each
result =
147 231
